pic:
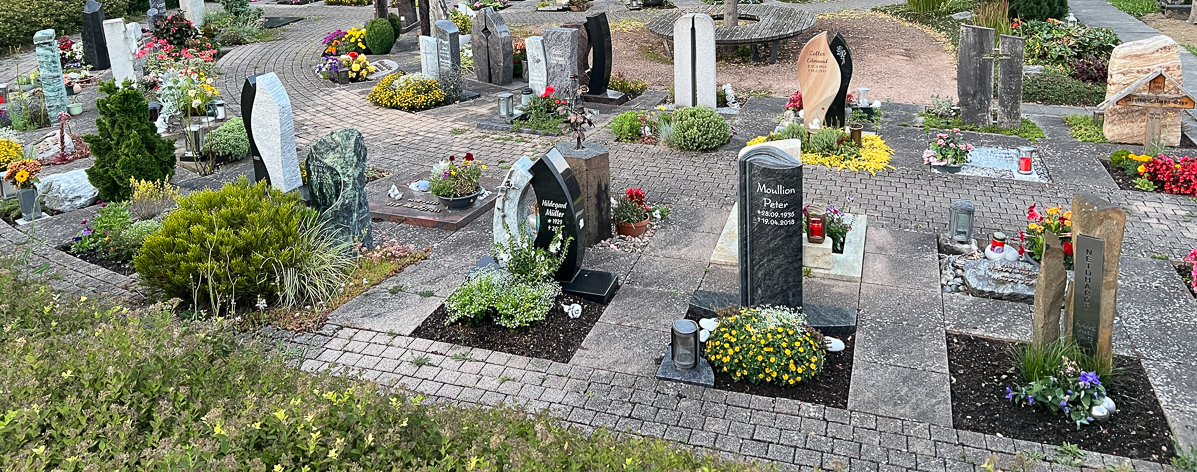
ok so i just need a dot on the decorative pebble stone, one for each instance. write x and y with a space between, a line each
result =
708 324
833 344
704 335
947 289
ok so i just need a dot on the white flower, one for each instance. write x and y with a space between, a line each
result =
656 214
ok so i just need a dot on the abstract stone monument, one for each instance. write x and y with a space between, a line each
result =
538 72
248 93
974 77
119 55
598 31
1097 229
1010 81
561 59
50 66
694 61
95 48
448 47
1159 97
336 168
493 49
836 112
1049 292
273 131
818 79
1129 63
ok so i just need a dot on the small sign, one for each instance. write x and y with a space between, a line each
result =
1164 101
1089 263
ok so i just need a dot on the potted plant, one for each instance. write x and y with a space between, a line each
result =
23 175
948 152
631 213
456 183
75 108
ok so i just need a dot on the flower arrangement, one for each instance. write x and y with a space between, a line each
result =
186 92
1055 219
795 103
347 2
197 55
70 53
23 173
356 64
409 92
766 344
175 29
465 24
332 41
631 208
1069 390
354 41
10 151
451 179
948 149
834 150
496 4
1173 174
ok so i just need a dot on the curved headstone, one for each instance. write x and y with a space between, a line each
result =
694 61
558 205
818 79
337 183
836 112
599 32
274 133
770 227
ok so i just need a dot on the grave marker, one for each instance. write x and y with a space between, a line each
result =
598 30
274 132
193 10
119 55
1049 292
157 10
50 66
448 48
492 47
1129 64
837 111
336 168
248 93
561 59
538 73
1163 96
1097 228
974 75
429 57
771 227
1010 81
818 79
694 61
95 48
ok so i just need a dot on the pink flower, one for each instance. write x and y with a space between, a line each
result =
952 145
968 146
955 130
940 142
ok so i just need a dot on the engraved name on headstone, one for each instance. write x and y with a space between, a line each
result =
770 221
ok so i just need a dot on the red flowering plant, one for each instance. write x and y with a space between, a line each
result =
631 208
1192 259
70 53
795 103
1172 174
1055 219
451 178
198 55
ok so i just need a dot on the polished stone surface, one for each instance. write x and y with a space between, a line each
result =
561 59
770 228
336 167
95 47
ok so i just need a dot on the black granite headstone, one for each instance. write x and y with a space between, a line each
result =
599 32
248 92
770 228
836 111
1086 318
95 46
559 203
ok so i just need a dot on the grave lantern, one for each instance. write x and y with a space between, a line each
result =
1099 117
960 220
815 231
525 96
684 344
1024 159
218 108
506 108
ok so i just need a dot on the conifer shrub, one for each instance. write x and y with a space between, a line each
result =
127 145
380 36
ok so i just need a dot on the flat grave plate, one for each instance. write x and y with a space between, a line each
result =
1001 164
279 21
421 211
848 266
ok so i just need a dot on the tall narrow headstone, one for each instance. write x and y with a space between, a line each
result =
1129 62
694 61
50 66
119 54
599 32
336 168
1049 292
770 226
95 48
1097 229
437 11
480 45
583 55
274 133
193 10
538 72
818 79
502 53
561 58
248 95
136 38
429 60
837 111
448 45
425 18
974 75
1010 81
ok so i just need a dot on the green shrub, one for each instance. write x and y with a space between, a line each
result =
1027 130
627 126
1055 43
396 24
699 129
632 87
1137 8
126 144
223 249
229 142
521 258
236 7
1084 129
924 7
1119 156
465 24
1039 10
380 36
511 303
1055 88
128 242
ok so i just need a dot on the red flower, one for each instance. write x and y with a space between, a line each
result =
1067 248
353 55
1032 214
548 91
469 156
452 158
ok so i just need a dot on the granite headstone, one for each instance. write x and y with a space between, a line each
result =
336 168
837 111
50 66
493 49
193 10
248 93
694 61
538 73
448 45
561 58
974 74
480 40
274 132
770 227
599 32
1010 81
429 62
157 10
95 48
583 55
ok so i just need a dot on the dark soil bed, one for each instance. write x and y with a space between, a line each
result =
1185 270
1125 182
556 338
830 388
981 370
121 267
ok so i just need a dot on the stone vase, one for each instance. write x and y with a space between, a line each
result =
31 208
634 230
460 203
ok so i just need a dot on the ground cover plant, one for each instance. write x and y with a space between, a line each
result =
832 148
1029 130
766 344
695 128
161 393
1084 129
407 92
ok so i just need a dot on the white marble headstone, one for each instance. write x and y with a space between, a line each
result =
694 67
274 133
118 51
538 73
429 62
193 10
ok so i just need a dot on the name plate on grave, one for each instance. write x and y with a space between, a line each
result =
1163 101
1086 302
770 228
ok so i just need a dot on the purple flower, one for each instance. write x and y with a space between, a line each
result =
1030 400
1009 394
1066 410
1089 378
76 238
1064 403
1090 419
87 232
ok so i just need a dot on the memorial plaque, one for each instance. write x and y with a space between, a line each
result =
770 227
1086 318
818 79
837 112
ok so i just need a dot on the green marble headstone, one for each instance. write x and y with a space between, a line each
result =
337 181
50 66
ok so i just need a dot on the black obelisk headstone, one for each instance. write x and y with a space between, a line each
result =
248 92
599 32
95 47
770 228
843 56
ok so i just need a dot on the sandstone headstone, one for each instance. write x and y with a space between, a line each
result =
95 48
592 167
818 79
1010 81
274 132
437 11
50 66
336 168
448 47
694 61
1128 63
974 74
429 62
68 191
538 72
1049 292
561 59
837 112
770 222
1097 228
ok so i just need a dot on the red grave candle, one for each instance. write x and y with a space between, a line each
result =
1024 165
816 229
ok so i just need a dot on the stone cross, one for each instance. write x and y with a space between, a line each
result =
1163 97
538 72
837 111
770 221
336 168
1097 228
448 46
1049 292
50 66
974 74
119 54
694 61
274 132
819 79
1010 59
429 61
493 50
95 48
598 31
561 59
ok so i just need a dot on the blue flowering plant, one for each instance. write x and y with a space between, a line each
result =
1070 391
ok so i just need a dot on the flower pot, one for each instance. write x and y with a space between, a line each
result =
75 109
31 208
460 203
948 169
634 230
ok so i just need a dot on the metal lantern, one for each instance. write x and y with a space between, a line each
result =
506 108
815 231
1024 159
196 134
525 96
684 344
219 107
1099 117
960 221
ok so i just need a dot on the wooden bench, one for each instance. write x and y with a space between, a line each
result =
773 24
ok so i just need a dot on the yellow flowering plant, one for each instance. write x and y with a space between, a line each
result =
766 344
10 151
23 173
357 65
871 156
1055 219
408 92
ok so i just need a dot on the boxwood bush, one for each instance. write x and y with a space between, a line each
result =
1056 88
699 129
229 142
380 36
126 144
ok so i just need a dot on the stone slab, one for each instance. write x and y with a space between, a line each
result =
446 219
702 374
848 266
1001 280
828 320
